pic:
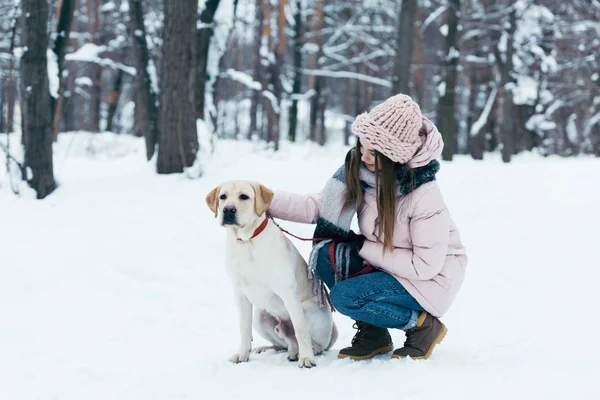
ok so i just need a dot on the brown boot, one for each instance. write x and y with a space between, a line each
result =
369 341
421 340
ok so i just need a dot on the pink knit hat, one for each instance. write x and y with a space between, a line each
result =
392 128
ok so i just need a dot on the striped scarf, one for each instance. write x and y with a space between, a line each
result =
334 220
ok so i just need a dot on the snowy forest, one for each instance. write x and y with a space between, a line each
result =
506 76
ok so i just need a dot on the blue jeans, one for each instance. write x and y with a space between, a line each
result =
376 298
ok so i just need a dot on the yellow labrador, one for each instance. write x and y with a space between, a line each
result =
269 274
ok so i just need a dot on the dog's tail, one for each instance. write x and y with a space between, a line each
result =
334 336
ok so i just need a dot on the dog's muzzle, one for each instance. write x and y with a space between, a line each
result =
229 215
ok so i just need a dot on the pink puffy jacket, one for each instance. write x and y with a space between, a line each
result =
428 257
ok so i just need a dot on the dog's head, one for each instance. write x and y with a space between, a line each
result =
239 203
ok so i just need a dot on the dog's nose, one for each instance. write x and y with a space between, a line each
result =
229 209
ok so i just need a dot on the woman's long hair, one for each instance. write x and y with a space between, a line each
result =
385 187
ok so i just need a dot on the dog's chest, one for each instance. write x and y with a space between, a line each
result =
264 298
260 278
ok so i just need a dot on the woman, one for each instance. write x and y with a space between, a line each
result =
405 268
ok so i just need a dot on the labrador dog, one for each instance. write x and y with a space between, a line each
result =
269 274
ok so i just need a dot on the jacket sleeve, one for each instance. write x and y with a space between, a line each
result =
429 229
296 207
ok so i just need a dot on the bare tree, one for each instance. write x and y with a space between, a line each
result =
94 69
404 48
35 97
297 73
178 139
446 114
66 9
505 62
204 32
258 74
317 124
146 123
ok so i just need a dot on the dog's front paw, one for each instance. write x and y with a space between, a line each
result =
307 362
292 355
240 357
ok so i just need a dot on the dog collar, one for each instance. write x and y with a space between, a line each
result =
258 230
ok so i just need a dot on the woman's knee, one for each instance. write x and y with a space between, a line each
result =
342 297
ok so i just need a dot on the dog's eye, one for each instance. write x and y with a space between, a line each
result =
223 197
244 197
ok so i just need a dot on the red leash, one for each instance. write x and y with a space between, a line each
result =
331 249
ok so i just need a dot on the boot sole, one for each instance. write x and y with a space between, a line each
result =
437 341
381 350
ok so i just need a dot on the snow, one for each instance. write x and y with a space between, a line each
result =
124 7
272 100
52 66
432 17
539 123
572 131
243 78
485 113
223 22
444 30
107 7
153 75
84 81
19 51
90 52
525 91
310 48
441 88
453 53
114 286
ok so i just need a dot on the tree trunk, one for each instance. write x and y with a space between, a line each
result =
404 48
446 110
276 68
63 31
266 40
178 141
349 111
508 126
35 98
146 121
113 100
476 143
94 70
297 73
255 112
9 98
67 104
2 101
316 82
203 35
317 115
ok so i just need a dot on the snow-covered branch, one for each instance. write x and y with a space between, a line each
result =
348 75
363 58
486 111
432 18
590 123
242 78
90 52
272 99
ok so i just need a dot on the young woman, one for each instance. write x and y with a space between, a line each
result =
405 268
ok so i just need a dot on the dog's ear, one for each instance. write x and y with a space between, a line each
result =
212 200
263 198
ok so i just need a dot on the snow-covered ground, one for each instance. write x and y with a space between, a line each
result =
114 286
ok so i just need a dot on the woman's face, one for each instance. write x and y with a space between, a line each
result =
367 155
